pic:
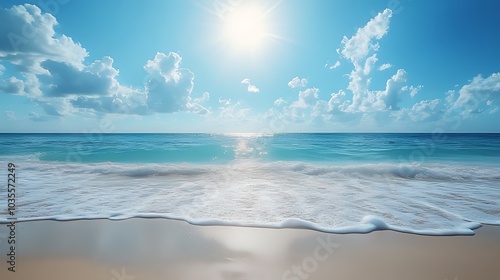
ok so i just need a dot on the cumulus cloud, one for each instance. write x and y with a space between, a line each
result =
412 89
427 110
359 102
250 87
96 79
384 66
124 101
30 39
54 75
28 85
302 107
280 101
473 98
306 98
474 95
358 50
361 50
359 46
170 86
297 83
335 98
12 85
391 95
232 111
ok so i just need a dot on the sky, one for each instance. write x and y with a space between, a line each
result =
259 66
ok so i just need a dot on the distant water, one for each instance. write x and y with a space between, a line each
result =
419 183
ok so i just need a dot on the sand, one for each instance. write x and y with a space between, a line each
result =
166 249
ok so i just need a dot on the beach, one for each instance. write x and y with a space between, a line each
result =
250 206
249 140
168 249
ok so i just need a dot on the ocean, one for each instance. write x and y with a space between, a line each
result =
436 184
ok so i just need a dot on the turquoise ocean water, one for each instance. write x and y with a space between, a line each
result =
419 183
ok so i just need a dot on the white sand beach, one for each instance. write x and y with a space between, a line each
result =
166 249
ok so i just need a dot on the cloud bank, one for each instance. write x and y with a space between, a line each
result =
54 74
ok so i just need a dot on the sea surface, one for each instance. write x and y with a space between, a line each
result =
437 184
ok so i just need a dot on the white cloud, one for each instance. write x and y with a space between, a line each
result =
12 85
52 73
30 39
198 109
96 79
306 98
297 82
426 110
384 66
2 68
473 96
489 102
205 97
361 50
280 101
167 89
250 87
232 111
170 86
358 47
300 109
336 98
57 107
412 89
361 104
224 101
450 97
32 85
337 64
393 89
365 100
29 85
369 63
56 78
123 101
196 106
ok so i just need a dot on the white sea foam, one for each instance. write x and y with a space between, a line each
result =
437 199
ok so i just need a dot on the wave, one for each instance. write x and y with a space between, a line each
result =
366 225
433 198
436 171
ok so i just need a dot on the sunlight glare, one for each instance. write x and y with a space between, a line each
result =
245 28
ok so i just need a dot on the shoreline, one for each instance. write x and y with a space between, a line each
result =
368 224
152 248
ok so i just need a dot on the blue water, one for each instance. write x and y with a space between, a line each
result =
207 148
417 183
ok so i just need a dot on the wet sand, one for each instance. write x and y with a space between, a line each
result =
167 249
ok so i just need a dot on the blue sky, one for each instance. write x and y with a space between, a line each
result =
249 66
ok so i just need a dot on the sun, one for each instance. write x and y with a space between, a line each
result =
245 28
